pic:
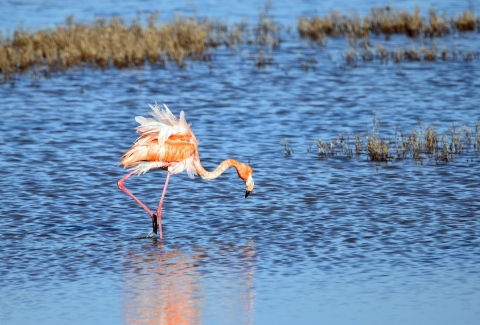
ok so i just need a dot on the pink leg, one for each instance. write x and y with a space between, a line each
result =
123 188
159 209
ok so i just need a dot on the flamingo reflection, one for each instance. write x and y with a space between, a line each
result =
164 286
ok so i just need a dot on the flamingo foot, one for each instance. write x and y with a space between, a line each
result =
154 227
154 224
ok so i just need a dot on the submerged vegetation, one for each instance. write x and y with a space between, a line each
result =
366 53
419 144
113 43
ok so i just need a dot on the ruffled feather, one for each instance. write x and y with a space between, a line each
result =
154 133
165 123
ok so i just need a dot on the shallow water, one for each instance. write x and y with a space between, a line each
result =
332 241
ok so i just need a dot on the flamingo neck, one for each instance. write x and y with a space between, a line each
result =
224 165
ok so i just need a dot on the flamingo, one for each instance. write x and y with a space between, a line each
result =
168 143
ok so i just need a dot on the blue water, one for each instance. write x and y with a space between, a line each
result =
320 241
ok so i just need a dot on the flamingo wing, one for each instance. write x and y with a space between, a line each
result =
165 142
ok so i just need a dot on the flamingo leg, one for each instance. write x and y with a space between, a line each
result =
159 209
152 215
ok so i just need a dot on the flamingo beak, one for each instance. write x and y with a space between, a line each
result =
250 185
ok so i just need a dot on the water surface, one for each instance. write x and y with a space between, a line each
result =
320 241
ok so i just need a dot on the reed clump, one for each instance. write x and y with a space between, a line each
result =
266 38
323 149
438 26
267 31
418 144
386 21
465 21
390 21
376 147
105 43
335 24
287 147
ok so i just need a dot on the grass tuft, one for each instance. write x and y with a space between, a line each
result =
386 21
288 149
107 43
418 144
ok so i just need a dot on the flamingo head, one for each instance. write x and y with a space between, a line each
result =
245 172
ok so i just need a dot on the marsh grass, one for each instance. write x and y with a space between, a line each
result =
114 43
308 63
323 149
386 21
418 144
266 37
104 43
288 149
377 148
398 54
267 32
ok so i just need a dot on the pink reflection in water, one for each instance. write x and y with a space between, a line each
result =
166 287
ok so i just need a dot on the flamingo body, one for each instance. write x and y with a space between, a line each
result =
168 143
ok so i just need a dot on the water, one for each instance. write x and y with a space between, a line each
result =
332 241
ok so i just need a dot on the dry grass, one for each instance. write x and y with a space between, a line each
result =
105 43
385 21
389 21
351 57
431 141
465 21
418 144
288 149
266 31
323 149
377 148
266 38
437 26
335 24
366 50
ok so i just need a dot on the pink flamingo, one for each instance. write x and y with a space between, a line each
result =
168 143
